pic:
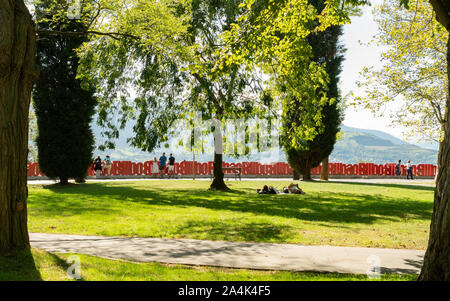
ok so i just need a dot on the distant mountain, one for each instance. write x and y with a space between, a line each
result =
379 134
378 147
357 145
428 144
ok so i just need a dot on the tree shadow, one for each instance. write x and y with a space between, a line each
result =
60 262
387 185
252 231
19 267
416 266
55 204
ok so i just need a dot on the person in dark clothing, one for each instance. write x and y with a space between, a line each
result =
98 166
171 166
162 164
398 168
272 190
265 190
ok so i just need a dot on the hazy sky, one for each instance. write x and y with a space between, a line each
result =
357 56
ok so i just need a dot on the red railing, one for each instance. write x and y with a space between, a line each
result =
128 168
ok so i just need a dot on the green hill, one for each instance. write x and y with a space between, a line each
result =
378 147
357 145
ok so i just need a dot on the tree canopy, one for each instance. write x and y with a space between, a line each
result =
414 71
64 109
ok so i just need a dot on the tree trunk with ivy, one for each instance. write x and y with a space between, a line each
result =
18 71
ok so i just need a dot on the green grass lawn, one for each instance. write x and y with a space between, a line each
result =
40 265
334 213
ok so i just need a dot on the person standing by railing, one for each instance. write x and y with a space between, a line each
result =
108 164
162 165
398 168
409 170
172 166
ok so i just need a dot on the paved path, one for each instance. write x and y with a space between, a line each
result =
234 254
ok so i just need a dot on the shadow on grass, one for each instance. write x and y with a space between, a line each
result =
340 207
249 231
61 263
19 267
400 186
416 266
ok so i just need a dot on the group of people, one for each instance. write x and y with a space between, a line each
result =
160 168
157 168
409 169
291 189
99 169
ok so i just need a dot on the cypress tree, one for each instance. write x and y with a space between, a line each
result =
64 109
326 50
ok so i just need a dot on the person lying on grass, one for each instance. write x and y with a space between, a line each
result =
293 188
267 190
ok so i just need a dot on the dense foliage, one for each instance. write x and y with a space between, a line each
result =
413 78
308 153
63 107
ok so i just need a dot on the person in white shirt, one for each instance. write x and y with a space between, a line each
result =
155 168
409 170
108 164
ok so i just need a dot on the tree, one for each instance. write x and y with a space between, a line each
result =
18 71
437 257
63 107
309 153
414 69
184 76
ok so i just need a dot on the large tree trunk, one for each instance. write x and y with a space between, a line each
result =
305 171
324 174
437 257
218 181
306 175
18 71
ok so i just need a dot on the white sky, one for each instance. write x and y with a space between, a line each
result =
357 56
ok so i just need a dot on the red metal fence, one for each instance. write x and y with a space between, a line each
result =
128 168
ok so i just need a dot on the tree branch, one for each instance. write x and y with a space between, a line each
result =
114 35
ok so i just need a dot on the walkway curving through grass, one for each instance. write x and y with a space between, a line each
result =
256 256
40 265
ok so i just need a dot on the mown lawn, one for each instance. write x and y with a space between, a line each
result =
335 213
40 265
